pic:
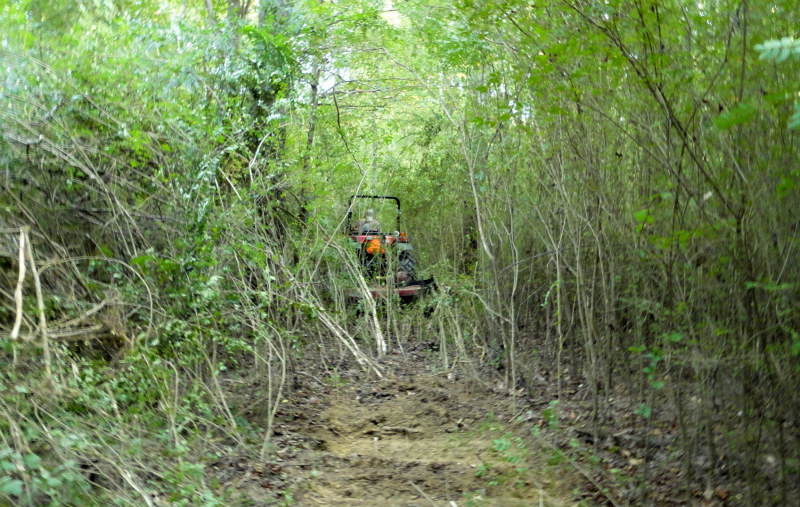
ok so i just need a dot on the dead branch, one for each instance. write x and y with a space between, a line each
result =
39 303
20 282
83 317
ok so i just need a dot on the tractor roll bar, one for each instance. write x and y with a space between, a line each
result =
364 196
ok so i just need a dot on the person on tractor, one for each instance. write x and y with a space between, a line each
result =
367 225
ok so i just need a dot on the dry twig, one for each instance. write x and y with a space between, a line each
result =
20 282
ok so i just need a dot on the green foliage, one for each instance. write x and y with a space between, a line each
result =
179 171
550 414
63 484
474 499
779 51
184 486
741 113
508 449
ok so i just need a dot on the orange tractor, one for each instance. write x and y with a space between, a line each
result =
385 257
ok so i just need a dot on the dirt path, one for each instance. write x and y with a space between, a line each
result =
412 439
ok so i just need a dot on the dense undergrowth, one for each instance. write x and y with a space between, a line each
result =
606 190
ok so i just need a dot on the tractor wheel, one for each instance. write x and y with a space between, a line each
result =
408 265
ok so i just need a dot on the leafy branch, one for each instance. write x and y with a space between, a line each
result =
779 51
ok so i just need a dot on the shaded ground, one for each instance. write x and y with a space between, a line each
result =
413 438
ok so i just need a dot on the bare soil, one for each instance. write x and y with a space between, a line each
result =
420 436
413 438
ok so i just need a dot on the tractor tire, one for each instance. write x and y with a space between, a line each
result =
408 265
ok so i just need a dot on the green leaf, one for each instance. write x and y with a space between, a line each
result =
738 115
640 215
795 121
11 486
785 186
555 458
141 260
501 444
769 286
54 482
32 461
643 216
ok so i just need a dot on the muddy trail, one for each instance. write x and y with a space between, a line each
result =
411 439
